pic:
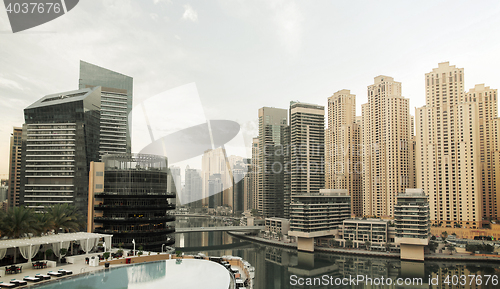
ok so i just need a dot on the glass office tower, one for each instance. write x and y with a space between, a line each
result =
60 138
116 104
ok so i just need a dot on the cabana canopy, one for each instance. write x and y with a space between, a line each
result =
29 246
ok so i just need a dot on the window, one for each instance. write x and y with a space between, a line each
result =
99 174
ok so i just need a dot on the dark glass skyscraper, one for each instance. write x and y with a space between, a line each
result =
135 203
60 139
116 104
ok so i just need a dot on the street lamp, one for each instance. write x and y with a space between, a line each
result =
133 242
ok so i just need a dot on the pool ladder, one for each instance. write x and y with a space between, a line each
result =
82 270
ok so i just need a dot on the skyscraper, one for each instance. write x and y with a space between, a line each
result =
448 150
116 104
489 149
343 148
192 188
214 162
387 146
254 177
306 151
273 125
60 139
15 167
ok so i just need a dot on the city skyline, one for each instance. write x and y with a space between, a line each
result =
293 52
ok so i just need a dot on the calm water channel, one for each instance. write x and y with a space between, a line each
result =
277 267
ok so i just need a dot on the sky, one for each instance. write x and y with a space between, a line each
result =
243 55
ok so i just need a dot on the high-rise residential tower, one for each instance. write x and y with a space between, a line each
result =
254 177
273 127
489 150
60 139
116 104
387 146
14 167
306 151
343 148
448 150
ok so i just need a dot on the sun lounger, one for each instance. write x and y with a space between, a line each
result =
56 274
65 272
7 285
44 277
32 279
18 282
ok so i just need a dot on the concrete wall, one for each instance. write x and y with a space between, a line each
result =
412 252
305 244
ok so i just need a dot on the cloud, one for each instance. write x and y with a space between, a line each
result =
162 1
288 19
9 83
154 16
190 14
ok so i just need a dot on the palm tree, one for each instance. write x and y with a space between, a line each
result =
65 217
43 223
367 245
18 222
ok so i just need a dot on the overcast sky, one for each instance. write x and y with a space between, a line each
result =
243 55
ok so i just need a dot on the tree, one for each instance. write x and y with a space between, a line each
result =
368 245
65 217
444 235
387 247
433 238
451 248
280 235
432 246
255 213
349 243
18 222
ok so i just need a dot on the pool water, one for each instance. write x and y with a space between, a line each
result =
179 274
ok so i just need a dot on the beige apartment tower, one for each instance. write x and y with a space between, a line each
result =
15 167
489 125
448 158
343 148
387 146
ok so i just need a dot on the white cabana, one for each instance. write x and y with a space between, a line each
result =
29 246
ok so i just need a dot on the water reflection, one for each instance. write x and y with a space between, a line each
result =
275 267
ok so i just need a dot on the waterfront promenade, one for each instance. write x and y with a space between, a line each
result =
360 252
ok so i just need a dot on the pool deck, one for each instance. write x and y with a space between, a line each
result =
79 267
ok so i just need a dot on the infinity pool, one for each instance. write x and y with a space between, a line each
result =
179 274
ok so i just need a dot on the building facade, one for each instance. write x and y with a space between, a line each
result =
116 105
318 214
60 139
412 223
273 128
343 148
129 198
14 186
361 231
387 146
448 150
489 148
306 151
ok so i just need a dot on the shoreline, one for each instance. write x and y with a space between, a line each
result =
356 252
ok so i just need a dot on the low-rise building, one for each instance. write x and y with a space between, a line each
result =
277 226
360 231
